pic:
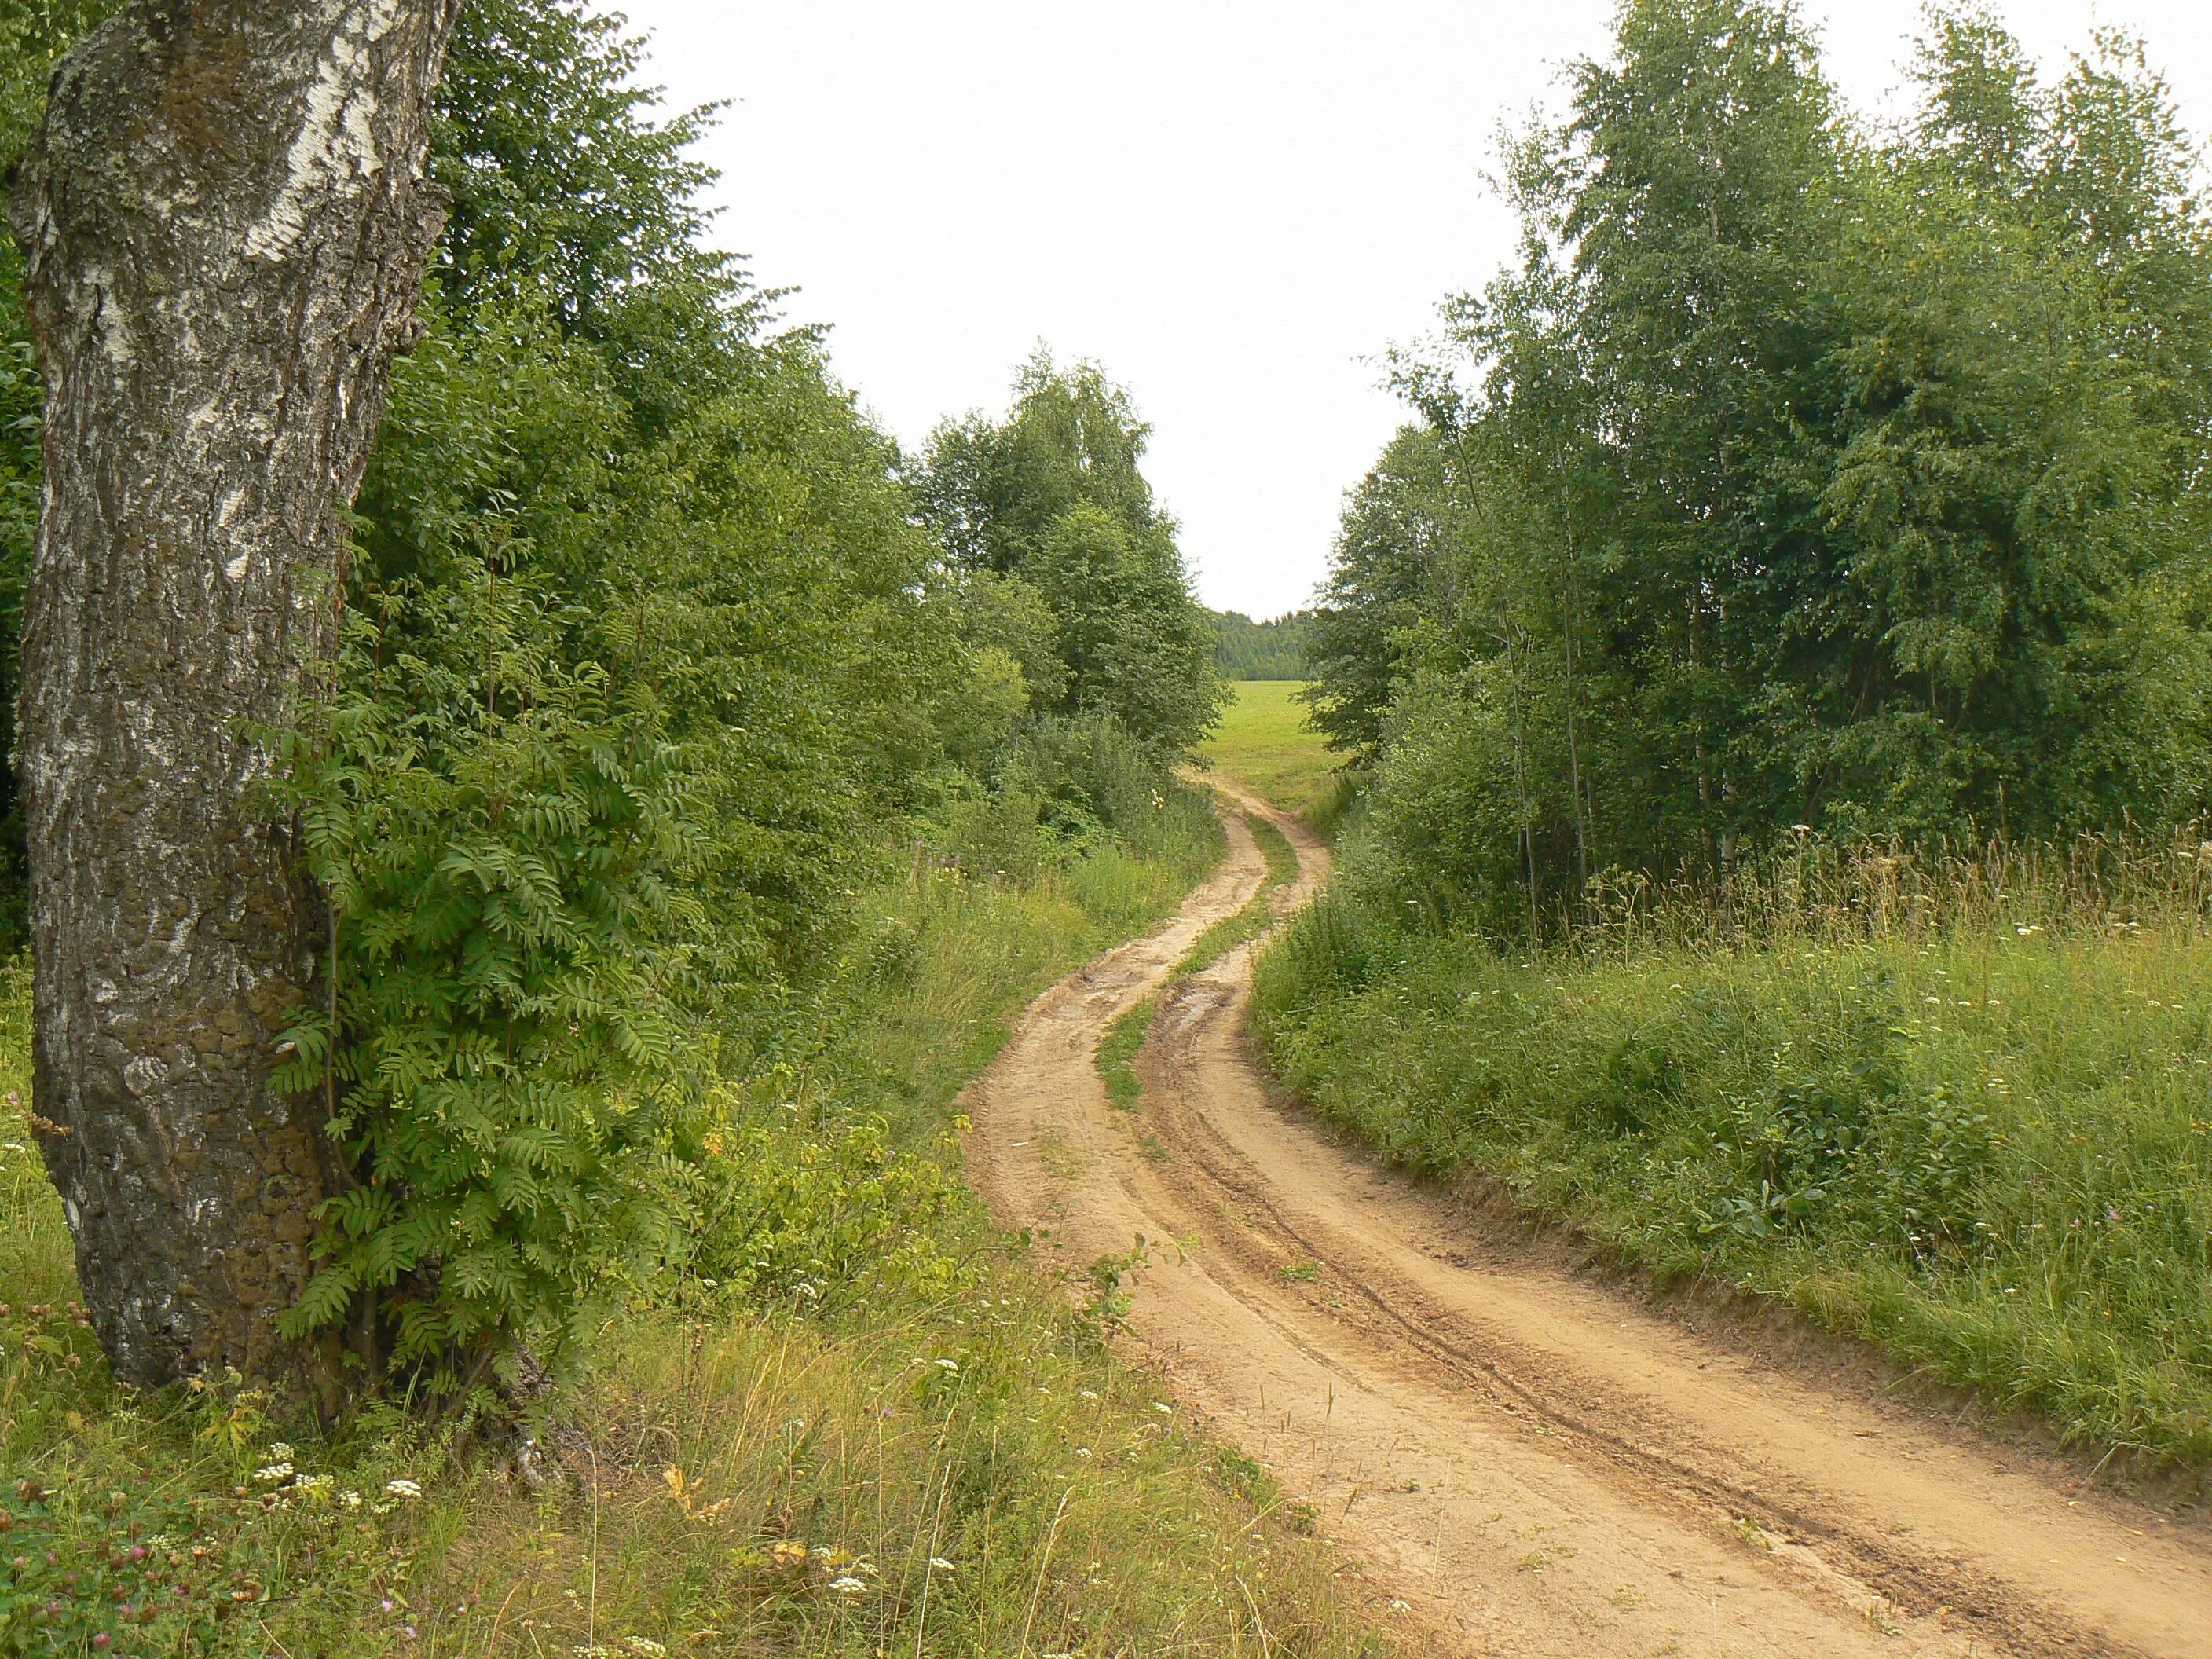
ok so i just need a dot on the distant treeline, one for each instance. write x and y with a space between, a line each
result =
1247 650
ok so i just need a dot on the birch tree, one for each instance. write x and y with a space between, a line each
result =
225 227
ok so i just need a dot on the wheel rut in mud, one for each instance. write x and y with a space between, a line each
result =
1533 1463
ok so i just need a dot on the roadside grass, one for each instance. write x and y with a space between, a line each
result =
893 1438
1965 1118
1264 742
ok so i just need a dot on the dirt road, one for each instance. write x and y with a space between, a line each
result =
1533 1463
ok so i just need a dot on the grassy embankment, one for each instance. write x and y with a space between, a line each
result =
898 1439
1958 1111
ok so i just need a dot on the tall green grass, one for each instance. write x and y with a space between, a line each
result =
891 1437
1960 1107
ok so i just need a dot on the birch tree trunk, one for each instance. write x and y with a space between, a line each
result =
227 227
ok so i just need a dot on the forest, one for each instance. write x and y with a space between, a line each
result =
1271 650
635 1019
1802 473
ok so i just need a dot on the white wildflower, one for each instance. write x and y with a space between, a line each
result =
402 1487
939 1563
273 1472
951 1365
350 1498
847 1585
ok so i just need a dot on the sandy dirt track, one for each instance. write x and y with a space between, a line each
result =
1534 1464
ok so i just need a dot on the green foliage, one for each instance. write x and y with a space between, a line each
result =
1391 551
1049 515
1117 1055
566 191
1136 646
721 1425
644 665
993 492
1068 788
1794 475
502 840
1272 650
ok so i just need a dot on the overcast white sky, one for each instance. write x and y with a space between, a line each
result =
1234 206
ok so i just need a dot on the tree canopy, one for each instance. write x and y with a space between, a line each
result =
1053 503
654 653
1796 474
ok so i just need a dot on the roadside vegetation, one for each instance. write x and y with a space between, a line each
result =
880 1428
1773 665
1955 1108
702 788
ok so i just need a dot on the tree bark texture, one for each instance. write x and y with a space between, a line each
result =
227 227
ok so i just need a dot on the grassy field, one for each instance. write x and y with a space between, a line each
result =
1980 1141
896 1439
1265 743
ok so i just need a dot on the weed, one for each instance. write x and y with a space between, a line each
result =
1117 1054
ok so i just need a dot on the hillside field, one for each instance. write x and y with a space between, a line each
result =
1264 742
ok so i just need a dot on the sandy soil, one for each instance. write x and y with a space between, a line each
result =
1530 1462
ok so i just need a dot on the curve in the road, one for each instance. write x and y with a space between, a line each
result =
1536 1464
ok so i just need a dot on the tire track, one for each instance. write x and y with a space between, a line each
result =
1533 1464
